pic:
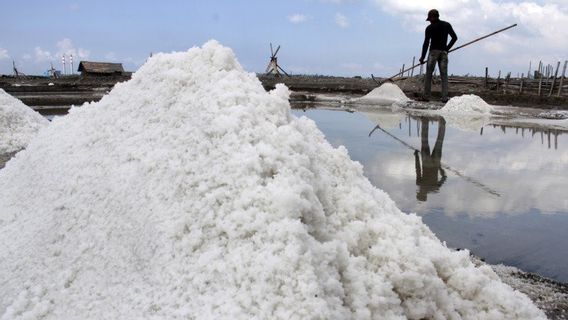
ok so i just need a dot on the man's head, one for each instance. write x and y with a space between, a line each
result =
433 15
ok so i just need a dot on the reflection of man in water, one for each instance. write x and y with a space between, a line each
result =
427 174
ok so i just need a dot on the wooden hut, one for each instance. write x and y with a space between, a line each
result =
88 68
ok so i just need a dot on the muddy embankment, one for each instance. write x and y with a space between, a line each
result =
55 95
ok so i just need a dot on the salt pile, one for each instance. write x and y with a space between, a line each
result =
467 104
467 112
386 94
18 123
190 192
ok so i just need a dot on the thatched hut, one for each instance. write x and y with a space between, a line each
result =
88 68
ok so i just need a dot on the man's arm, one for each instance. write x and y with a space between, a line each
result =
454 38
425 45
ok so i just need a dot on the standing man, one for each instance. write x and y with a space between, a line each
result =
437 39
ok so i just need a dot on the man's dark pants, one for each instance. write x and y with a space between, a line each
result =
440 57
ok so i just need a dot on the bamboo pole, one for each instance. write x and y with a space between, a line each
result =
412 70
486 77
562 78
554 79
540 84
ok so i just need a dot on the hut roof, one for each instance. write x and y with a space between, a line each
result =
100 67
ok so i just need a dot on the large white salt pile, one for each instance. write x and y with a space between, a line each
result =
386 94
467 104
189 192
18 123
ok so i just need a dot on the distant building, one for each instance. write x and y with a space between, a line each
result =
88 68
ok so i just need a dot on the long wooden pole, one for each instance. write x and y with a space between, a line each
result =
554 79
540 84
452 50
562 78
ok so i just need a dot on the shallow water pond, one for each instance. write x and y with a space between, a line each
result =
500 191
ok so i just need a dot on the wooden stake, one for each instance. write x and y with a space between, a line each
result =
498 79
486 77
412 71
554 79
540 84
562 78
529 73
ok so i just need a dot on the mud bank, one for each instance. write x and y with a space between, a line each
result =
75 90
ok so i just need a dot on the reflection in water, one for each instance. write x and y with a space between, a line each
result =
434 163
523 224
427 178
550 134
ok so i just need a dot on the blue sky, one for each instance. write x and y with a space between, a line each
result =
329 37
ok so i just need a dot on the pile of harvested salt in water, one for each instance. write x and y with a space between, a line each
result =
386 94
18 123
467 112
467 104
190 192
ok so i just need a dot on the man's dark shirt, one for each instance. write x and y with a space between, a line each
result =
437 37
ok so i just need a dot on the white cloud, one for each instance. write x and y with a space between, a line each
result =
66 47
297 18
494 47
4 54
42 55
541 30
111 56
27 56
341 20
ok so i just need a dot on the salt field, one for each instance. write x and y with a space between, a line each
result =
191 192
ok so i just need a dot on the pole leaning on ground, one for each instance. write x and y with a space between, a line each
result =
454 49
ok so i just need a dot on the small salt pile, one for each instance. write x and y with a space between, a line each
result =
386 94
467 104
467 112
18 123
189 192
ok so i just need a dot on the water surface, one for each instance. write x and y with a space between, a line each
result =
498 190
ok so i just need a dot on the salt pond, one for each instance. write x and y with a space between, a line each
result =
499 190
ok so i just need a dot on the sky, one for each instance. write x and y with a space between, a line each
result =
324 37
